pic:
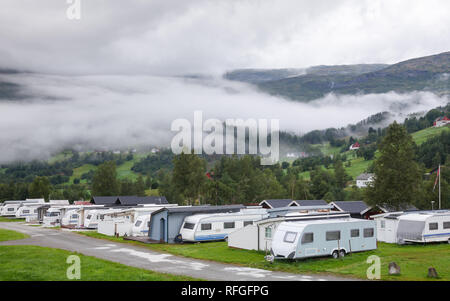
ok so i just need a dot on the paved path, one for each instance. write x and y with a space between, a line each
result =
142 257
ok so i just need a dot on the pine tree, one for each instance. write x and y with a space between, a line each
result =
189 176
105 181
397 175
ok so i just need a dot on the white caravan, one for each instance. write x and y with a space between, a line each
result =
29 211
74 216
423 227
295 240
10 208
124 221
217 226
93 217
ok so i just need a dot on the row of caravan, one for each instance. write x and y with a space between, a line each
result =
22 208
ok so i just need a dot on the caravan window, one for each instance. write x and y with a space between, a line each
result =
26 211
206 227
354 233
138 223
433 226
289 237
333 235
189 226
74 216
368 232
307 238
10 209
229 225
446 225
89 216
246 223
268 233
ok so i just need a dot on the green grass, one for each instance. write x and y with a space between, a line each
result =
11 235
33 263
414 260
12 219
79 171
425 134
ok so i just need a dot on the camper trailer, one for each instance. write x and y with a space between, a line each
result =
123 221
10 208
30 211
295 240
424 227
93 217
211 227
74 216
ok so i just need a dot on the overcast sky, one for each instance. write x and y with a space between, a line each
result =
112 85
179 37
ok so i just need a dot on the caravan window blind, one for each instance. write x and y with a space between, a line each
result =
368 232
333 235
446 225
206 227
433 226
307 238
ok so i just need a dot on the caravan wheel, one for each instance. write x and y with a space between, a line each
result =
449 240
335 254
342 253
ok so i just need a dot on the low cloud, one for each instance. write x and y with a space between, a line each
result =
117 112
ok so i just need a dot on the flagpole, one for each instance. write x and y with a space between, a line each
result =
439 186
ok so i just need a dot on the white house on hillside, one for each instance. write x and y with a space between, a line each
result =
364 179
441 121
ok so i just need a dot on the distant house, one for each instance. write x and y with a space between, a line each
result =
357 209
441 121
355 146
364 179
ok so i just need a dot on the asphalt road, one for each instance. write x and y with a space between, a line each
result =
142 257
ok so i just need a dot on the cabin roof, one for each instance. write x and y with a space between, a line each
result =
201 209
351 206
128 200
311 202
277 203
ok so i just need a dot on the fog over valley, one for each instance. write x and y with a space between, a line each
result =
118 112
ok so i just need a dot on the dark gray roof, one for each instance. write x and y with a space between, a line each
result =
202 209
129 200
311 202
352 206
104 200
277 203
405 207
135 200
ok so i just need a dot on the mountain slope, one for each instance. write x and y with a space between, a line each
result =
429 73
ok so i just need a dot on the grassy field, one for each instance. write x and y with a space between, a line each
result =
425 134
11 235
414 260
32 263
12 219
